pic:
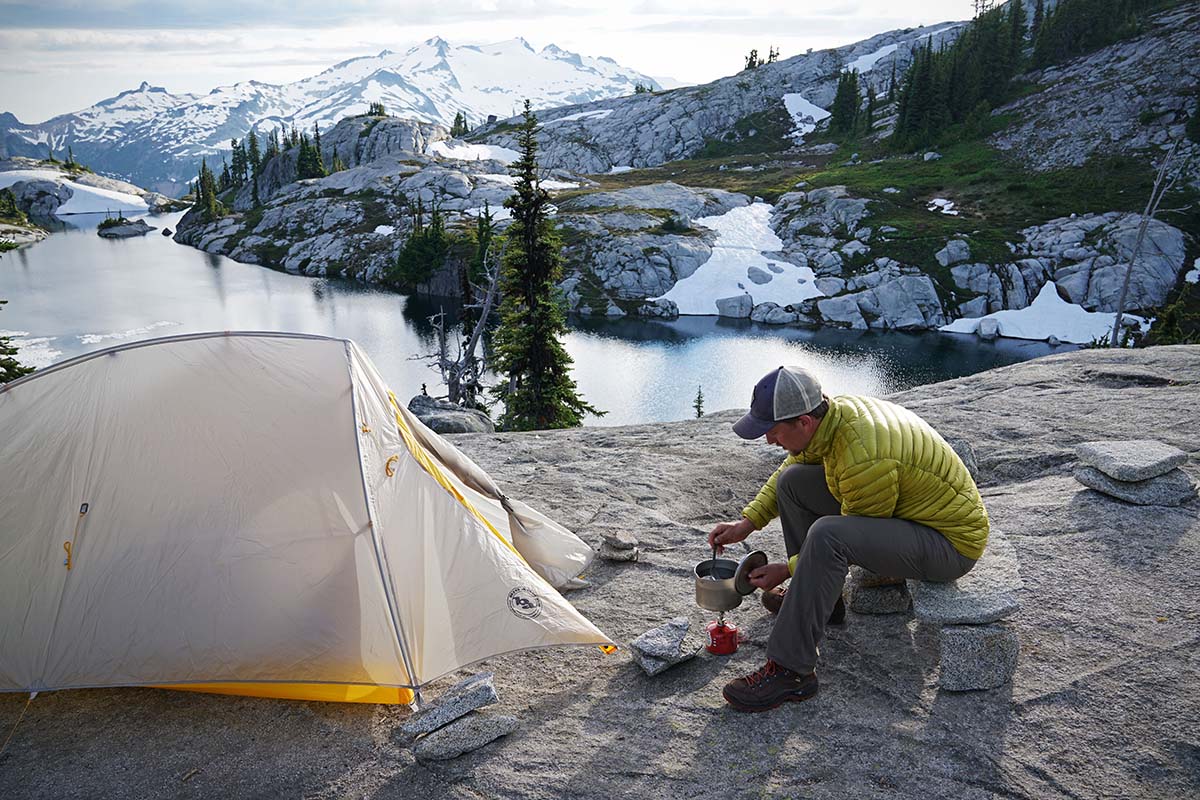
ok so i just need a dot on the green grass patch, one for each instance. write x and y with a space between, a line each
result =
764 131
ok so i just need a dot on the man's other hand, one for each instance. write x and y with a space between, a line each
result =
726 533
770 576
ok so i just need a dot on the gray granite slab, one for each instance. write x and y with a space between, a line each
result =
985 594
1172 489
890 599
664 641
977 656
460 699
661 648
863 577
1131 460
966 451
464 735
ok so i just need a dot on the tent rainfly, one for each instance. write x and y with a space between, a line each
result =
255 513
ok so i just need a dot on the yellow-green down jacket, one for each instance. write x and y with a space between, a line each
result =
882 460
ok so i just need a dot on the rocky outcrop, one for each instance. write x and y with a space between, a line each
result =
648 129
354 141
21 235
1099 706
445 417
1087 257
41 198
126 230
626 246
1133 96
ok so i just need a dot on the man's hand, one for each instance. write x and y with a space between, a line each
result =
726 533
770 576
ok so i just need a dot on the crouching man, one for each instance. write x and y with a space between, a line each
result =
866 482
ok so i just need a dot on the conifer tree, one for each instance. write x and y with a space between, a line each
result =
1039 15
1016 35
844 112
338 164
71 156
10 368
698 403
772 55
752 59
317 147
869 116
539 392
891 92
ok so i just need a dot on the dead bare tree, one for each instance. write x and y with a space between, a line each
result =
1161 186
463 373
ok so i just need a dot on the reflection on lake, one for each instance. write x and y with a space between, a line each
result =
76 292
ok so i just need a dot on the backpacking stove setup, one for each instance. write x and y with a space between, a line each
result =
721 583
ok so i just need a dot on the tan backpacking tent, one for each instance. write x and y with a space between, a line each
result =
255 513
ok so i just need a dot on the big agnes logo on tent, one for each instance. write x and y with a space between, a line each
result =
524 603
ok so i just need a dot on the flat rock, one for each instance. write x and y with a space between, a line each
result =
1172 489
977 656
1132 460
663 647
861 577
459 700
469 733
987 593
619 540
610 553
889 599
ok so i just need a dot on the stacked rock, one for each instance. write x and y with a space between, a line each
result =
869 593
665 646
1140 471
451 725
978 646
619 546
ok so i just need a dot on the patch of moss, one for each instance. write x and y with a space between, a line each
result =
766 131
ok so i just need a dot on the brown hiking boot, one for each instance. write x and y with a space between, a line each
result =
769 687
773 601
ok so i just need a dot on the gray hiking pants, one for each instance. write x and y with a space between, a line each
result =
828 544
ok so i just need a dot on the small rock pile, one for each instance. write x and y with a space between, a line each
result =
619 546
663 647
978 646
1141 471
451 725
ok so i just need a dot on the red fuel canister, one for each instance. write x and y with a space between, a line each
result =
722 638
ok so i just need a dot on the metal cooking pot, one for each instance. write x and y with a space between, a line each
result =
714 585
721 583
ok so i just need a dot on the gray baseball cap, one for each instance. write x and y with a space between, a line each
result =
783 393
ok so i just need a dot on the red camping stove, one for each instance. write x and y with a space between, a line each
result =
722 638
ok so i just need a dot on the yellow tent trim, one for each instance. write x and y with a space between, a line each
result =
323 692
430 465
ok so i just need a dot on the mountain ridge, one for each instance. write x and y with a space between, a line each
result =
157 139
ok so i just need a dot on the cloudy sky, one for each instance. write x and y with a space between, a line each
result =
64 55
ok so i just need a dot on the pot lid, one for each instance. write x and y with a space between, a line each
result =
750 562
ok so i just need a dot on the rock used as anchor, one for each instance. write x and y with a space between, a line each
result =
619 546
452 724
1142 471
665 646
469 733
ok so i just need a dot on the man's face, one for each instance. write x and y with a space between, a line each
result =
793 435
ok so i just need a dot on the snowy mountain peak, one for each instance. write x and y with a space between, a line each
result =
153 138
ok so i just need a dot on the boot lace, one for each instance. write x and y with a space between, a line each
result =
763 674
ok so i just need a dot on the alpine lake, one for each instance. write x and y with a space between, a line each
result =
76 292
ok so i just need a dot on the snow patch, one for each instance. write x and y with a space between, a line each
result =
511 180
805 115
864 63
1048 315
1193 275
84 199
33 352
599 114
461 151
498 214
619 170
132 333
943 205
384 230
742 236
